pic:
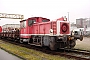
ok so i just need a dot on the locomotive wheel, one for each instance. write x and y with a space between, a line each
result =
52 47
21 40
72 43
28 41
52 44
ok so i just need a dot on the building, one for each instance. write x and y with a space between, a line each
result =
80 23
88 23
83 23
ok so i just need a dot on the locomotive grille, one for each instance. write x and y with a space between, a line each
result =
54 27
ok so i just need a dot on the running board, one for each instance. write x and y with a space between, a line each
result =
35 44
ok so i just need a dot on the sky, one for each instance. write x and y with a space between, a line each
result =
52 9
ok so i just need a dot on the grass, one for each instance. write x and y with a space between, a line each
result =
29 54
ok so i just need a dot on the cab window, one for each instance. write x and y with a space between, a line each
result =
45 20
30 22
23 24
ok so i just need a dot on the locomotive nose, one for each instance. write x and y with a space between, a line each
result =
64 28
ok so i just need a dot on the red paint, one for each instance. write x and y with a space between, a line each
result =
62 19
0 29
40 27
54 27
37 28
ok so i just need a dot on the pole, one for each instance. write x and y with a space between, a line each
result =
68 16
84 27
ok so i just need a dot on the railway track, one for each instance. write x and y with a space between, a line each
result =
77 54
69 53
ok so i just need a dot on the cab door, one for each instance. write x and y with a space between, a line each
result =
23 29
32 26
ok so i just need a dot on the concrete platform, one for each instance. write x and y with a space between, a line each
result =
6 56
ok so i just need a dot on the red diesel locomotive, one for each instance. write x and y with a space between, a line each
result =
41 31
0 29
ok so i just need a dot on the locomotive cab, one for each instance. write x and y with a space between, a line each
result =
27 27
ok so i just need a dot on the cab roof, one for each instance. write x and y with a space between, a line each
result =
35 18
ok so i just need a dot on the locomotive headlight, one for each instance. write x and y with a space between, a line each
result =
51 30
65 18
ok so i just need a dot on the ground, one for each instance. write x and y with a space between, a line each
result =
84 44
